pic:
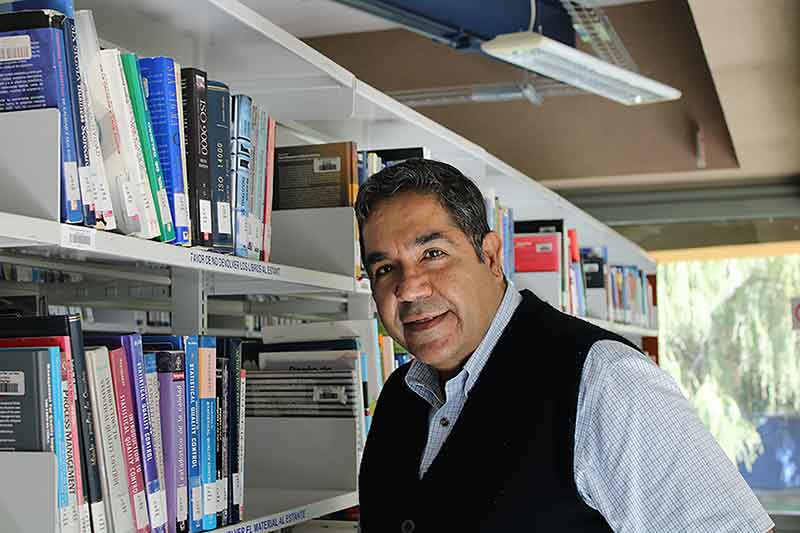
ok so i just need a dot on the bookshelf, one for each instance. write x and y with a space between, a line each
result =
312 469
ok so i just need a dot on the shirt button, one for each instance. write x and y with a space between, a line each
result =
407 526
444 422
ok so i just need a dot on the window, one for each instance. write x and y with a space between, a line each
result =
727 338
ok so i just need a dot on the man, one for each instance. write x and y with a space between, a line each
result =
513 416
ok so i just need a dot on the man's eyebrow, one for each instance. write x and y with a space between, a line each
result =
422 240
374 257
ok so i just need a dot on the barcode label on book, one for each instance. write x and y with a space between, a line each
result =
86 522
140 509
210 498
154 502
12 383
181 209
15 48
327 164
72 183
222 491
224 217
163 207
237 490
78 237
182 504
130 201
197 504
99 518
205 216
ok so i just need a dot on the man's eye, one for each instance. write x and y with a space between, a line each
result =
433 254
383 270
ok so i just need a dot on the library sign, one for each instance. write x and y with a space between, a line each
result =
796 313
270 524
233 264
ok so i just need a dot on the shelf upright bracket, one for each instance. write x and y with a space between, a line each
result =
189 302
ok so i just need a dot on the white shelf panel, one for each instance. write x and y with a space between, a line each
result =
114 249
622 329
277 508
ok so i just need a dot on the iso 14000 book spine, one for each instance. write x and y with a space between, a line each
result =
219 139
195 129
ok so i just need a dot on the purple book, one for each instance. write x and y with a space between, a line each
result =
172 386
155 498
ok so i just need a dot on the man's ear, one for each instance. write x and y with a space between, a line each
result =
493 253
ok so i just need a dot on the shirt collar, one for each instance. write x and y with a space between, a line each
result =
424 379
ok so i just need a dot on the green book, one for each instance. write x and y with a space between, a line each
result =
144 125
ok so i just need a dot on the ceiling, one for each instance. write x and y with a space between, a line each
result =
736 62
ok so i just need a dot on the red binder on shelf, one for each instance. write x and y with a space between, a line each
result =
540 252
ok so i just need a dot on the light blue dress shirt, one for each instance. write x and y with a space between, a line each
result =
642 457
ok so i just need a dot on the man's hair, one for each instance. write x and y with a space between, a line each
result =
453 190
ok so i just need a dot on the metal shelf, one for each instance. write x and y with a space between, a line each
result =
622 329
277 508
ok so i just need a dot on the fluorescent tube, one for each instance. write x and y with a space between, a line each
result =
535 52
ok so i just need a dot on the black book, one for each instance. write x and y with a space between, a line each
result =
26 400
195 129
222 440
219 138
233 353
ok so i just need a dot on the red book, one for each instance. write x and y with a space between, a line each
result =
537 252
73 447
126 418
574 249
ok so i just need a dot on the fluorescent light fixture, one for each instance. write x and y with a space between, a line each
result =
535 52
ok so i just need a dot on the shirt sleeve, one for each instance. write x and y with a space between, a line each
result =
643 458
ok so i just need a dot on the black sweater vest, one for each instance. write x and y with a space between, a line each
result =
507 465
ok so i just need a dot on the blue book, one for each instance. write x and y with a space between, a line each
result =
241 160
62 6
207 394
136 366
365 385
161 90
79 103
193 434
163 342
46 86
219 139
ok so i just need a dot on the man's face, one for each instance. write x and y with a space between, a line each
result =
433 294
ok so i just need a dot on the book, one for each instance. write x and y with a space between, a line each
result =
26 399
126 418
154 407
62 6
182 142
198 171
242 395
195 486
144 126
136 368
79 119
45 85
233 352
266 245
207 374
172 386
136 188
110 458
48 332
219 139
125 211
222 440
241 163
314 176
538 265
163 100
595 275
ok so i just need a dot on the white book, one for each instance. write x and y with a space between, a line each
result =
138 183
116 495
182 199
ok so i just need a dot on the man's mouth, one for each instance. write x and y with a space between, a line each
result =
422 323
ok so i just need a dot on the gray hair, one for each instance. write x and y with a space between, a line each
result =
455 192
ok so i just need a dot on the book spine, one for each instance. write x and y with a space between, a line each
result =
116 497
60 441
73 449
234 393
260 173
193 435
207 363
127 425
266 245
78 100
144 127
89 468
172 400
135 191
136 369
45 399
222 440
162 102
255 176
182 143
241 161
195 127
154 407
219 137
242 394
